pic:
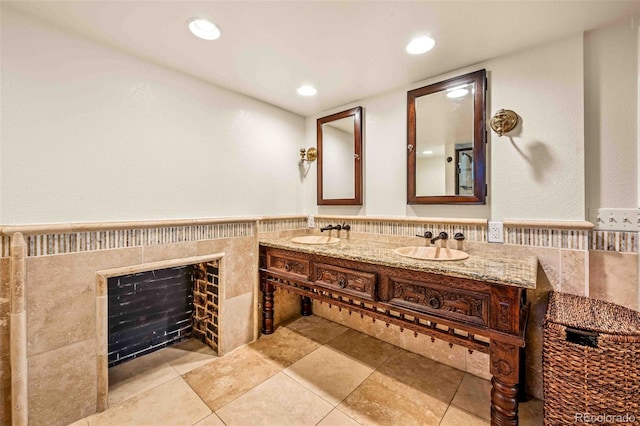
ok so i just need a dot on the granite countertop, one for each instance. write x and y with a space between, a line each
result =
514 270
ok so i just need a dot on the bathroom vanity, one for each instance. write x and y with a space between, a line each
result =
478 302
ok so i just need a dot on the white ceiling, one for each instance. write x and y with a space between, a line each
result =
348 50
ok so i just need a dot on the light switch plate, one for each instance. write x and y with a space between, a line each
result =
616 219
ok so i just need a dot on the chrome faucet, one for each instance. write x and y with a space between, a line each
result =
441 236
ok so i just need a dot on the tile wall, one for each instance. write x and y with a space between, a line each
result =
61 313
61 265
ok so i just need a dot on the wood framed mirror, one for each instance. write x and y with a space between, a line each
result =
340 158
446 137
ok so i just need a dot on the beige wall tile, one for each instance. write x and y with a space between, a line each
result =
240 263
287 306
5 391
573 271
614 277
284 234
236 324
159 252
538 301
548 280
66 393
478 364
61 296
5 368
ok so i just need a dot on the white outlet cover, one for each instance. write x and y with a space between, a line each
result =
311 222
495 232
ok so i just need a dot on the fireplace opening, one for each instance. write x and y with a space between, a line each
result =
150 310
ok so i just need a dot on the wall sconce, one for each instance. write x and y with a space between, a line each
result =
311 154
503 121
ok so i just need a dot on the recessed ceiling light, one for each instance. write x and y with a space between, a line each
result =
420 45
307 91
204 29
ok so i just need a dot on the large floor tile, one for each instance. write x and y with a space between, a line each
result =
188 355
329 373
337 418
226 378
316 328
367 349
423 374
474 396
530 413
172 401
211 420
284 347
384 400
278 401
134 377
457 417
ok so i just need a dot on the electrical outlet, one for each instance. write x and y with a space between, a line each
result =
311 222
495 233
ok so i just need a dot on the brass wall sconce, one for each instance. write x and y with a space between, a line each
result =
311 154
503 121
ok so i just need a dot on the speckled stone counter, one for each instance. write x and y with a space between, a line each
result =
519 271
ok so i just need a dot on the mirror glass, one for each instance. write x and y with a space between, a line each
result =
339 158
445 144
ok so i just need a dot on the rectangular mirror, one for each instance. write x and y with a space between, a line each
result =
446 141
340 158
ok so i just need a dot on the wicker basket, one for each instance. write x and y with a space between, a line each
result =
591 362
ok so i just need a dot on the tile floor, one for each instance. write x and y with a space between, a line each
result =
309 372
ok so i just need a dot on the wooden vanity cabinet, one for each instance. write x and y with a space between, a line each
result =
478 315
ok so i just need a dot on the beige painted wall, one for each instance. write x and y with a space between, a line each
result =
93 134
536 174
611 108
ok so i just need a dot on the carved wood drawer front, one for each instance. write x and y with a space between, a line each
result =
356 283
282 262
457 304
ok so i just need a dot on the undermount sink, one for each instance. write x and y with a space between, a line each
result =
431 253
315 239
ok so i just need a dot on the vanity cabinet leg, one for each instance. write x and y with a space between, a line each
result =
504 403
305 306
267 307
505 368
